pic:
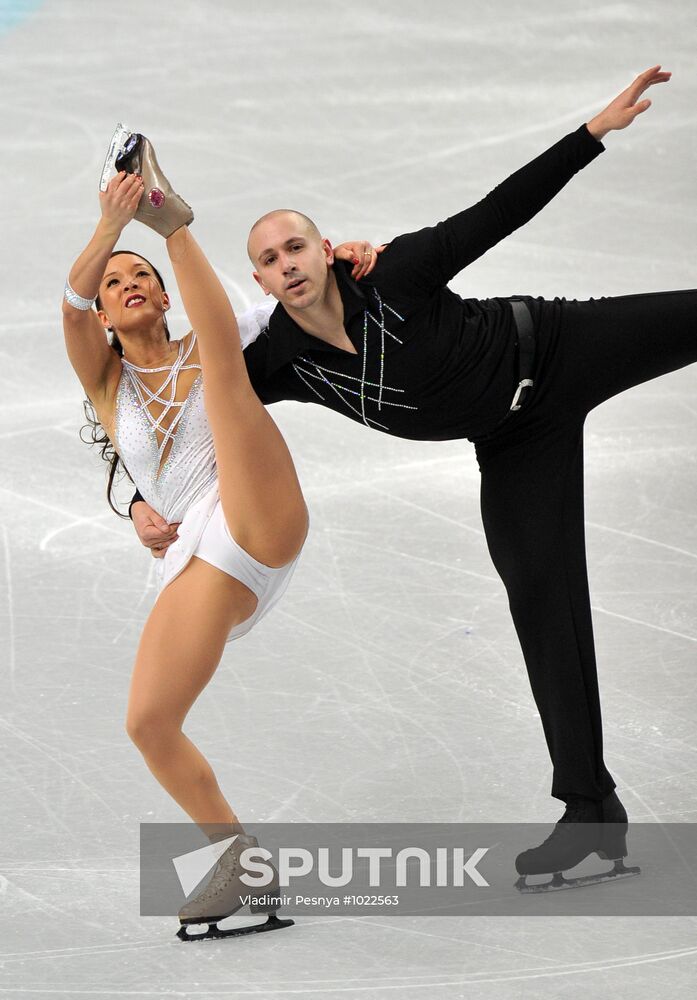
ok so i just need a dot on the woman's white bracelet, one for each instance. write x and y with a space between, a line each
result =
75 300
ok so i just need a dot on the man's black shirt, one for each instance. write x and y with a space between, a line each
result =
430 365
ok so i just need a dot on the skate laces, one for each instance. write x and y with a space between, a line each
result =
577 811
560 831
225 870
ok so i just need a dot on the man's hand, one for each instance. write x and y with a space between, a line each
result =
361 254
624 109
154 532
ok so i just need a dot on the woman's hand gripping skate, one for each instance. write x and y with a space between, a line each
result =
119 202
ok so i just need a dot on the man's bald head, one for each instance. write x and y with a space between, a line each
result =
291 260
303 223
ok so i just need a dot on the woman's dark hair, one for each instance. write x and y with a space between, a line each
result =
98 434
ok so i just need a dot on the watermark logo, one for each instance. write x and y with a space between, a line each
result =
411 869
192 867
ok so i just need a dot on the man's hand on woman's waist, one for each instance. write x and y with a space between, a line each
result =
154 532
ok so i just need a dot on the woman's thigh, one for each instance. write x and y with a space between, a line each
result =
259 489
182 643
612 343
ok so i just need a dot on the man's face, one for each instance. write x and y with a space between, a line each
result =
292 261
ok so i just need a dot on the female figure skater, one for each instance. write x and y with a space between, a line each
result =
222 470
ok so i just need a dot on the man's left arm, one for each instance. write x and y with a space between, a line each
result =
428 259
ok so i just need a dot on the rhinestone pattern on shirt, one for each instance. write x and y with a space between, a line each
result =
313 370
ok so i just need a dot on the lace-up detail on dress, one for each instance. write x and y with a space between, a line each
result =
147 396
178 469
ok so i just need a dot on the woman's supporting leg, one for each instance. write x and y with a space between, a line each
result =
259 490
180 648
532 510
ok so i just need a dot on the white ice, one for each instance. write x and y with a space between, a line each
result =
389 684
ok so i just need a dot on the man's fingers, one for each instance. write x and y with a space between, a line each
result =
642 83
159 528
648 74
648 78
154 536
160 548
162 525
161 545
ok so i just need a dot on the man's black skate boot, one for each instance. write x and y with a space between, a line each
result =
613 831
587 826
576 835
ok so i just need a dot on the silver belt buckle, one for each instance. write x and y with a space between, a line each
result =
515 405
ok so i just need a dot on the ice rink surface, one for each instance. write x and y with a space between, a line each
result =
388 685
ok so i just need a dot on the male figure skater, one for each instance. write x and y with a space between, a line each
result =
403 354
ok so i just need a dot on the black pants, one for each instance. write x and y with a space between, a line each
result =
532 502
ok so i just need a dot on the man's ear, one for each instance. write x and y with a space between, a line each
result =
257 278
328 250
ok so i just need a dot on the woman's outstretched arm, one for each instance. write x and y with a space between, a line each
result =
88 350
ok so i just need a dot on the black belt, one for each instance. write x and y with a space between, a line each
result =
526 354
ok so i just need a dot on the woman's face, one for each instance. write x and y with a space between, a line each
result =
130 294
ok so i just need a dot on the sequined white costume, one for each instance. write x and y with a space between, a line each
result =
185 487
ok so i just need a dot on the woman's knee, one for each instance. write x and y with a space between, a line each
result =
150 730
293 535
278 538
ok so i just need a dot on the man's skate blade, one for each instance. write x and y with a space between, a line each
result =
273 923
559 881
118 140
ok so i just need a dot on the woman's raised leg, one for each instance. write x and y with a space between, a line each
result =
259 489
179 650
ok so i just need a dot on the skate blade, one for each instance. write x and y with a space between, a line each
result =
118 141
273 923
558 881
